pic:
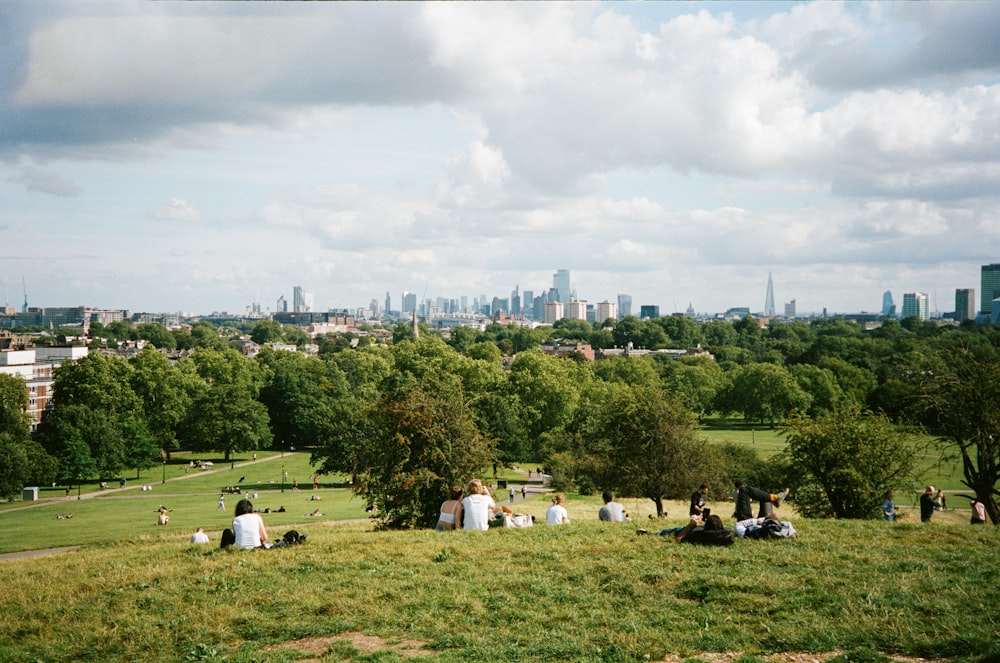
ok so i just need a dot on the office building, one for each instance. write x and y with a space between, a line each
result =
624 305
302 301
649 311
560 283
989 287
915 305
965 304
409 302
888 306
790 310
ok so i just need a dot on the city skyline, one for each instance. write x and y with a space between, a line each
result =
209 156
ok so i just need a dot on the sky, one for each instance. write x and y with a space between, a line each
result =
201 157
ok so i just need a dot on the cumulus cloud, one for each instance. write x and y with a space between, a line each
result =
176 209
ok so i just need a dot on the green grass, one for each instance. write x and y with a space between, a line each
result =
589 591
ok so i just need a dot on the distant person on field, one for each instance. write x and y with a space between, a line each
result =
612 512
248 527
163 518
978 512
697 502
450 517
744 496
199 536
927 505
557 514
477 507
889 507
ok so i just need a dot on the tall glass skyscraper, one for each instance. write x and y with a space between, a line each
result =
769 298
560 282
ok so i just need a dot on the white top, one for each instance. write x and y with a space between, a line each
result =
199 537
613 512
477 512
247 529
556 515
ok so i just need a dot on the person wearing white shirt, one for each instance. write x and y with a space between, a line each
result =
557 514
477 507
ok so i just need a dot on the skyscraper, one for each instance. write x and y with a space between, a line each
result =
915 305
624 305
560 282
888 306
965 304
769 298
575 309
790 310
606 310
388 302
301 300
989 287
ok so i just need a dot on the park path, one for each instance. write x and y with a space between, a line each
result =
121 492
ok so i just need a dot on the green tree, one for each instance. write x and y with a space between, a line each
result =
266 331
959 397
548 389
766 393
165 394
112 419
414 445
682 332
695 381
225 415
821 385
845 461
630 370
638 441
206 335
156 334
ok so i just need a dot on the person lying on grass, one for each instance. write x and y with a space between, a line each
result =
711 533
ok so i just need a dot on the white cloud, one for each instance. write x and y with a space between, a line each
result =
44 181
176 209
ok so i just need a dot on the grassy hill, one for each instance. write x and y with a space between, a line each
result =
588 591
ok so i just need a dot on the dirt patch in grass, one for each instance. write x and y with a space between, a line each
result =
784 657
365 644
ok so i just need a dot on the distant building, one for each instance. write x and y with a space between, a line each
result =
409 302
302 301
888 306
965 304
281 306
989 287
566 349
624 305
606 310
790 310
769 298
649 311
36 367
915 305
553 312
560 283
575 309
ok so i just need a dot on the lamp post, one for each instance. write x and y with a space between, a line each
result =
164 478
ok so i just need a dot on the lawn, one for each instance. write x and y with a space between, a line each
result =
588 591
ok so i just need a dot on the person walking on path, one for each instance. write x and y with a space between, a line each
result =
222 502
524 493
927 505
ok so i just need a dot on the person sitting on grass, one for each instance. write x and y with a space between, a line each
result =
248 527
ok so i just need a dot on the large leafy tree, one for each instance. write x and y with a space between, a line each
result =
762 392
640 442
548 389
165 393
225 415
414 443
156 334
959 397
22 461
844 461
95 396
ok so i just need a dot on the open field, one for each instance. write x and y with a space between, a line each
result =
588 591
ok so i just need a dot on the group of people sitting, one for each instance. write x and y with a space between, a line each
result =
475 509
706 528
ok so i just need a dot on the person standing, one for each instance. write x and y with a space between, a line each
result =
510 494
697 505
889 507
927 505
222 502
524 493
612 512
557 514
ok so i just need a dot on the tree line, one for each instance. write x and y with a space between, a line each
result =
410 419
